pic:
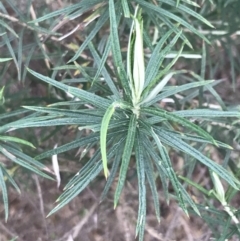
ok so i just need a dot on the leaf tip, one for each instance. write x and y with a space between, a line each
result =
106 173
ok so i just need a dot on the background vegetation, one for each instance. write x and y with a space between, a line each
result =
143 93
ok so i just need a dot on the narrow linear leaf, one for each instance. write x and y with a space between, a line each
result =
4 193
151 151
94 137
125 8
101 21
170 65
10 179
207 113
141 187
101 69
197 186
154 62
84 95
82 179
184 122
78 187
17 140
11 51
116 49
87 120
66 112
126 157
158 88
113 172
20 55
169 168
7 26
103 136
23 163
65 11
176 89
150 177
177 143
172 16
24 157
188 11
81 173
5 59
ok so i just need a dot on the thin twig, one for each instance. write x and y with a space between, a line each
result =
173 224
39 190
73 233
9 232
34 17
15 20
186 228
153 233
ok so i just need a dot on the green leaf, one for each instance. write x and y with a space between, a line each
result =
182 194
82 179
4 193
1 94
157 57
113 172
207 113
12 113
187 10
15 139
22 163
65 112
151 180
170 172
138 70
197 186
7 26
116 50
168 14
82 172
195 93
197 138
151 86
141 187
126 157
178 144
101 68
176 89
24 157
150 96
94 137
5 59
150 148
184 122
65 11
20 54
125 8
83 120
189 200
11 51
84 95
101 21
102 62
103 136
77 187
10 179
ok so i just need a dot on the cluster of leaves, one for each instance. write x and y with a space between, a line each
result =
121 107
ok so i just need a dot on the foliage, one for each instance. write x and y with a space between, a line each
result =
119 101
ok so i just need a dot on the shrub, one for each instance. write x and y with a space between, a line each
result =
121 107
